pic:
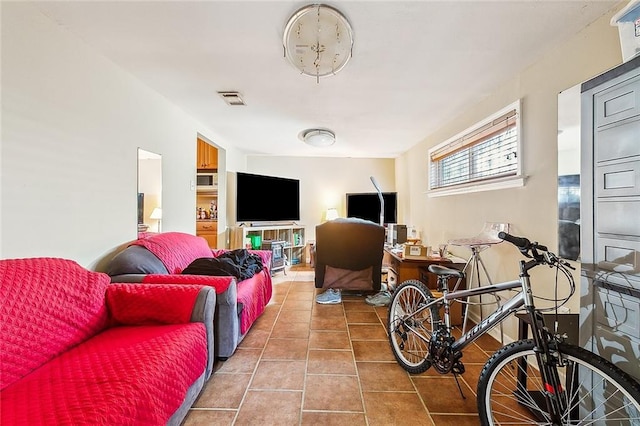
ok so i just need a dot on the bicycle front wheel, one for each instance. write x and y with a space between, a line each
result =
411 325
594 391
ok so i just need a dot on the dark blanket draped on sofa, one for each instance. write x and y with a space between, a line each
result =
238 263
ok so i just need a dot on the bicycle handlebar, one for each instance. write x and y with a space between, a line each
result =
520 242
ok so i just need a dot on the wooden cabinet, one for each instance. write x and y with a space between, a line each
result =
208 229
207 156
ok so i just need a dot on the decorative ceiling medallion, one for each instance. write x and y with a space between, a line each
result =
318 40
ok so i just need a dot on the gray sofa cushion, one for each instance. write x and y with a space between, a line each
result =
135 260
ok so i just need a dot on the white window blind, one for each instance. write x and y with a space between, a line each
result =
487 151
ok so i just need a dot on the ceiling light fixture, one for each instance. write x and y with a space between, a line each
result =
318 40
318 137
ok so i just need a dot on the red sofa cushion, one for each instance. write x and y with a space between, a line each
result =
48 306
123 376
176 250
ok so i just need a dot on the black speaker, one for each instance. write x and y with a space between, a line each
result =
397 234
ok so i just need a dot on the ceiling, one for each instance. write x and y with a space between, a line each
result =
415 64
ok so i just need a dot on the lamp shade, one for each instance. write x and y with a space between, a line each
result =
331 214
156 213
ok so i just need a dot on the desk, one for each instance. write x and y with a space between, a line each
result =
413 268
416 268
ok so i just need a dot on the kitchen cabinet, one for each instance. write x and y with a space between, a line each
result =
208 229
207 156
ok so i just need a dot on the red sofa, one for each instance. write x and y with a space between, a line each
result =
162 258
77 349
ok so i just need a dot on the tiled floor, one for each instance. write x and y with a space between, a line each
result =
309 364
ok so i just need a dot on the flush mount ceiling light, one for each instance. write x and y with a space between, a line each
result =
318 40
318 137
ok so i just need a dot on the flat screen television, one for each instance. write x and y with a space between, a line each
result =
262 198
366 205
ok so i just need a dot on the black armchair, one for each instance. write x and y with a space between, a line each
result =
349 254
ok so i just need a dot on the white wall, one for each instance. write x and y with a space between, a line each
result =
324 181
71 125
531 210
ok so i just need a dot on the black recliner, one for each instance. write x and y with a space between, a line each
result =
345 245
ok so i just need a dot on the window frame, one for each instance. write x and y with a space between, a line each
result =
487 184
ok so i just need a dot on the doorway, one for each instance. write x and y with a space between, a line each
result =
210 209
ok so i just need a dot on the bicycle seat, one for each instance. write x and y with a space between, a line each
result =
443 271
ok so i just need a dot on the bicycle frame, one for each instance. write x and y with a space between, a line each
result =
499 315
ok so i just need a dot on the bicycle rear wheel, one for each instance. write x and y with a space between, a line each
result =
411 325
595 392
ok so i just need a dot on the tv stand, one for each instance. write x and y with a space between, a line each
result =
292 236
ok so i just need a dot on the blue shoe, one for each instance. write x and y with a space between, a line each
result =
330 297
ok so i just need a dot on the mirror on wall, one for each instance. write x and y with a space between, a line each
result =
149 192
569 173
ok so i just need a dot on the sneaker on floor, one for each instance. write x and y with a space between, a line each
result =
382 298
330 297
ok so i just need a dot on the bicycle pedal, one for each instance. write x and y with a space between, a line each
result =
458 368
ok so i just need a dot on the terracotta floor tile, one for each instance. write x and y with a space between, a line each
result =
299 305
357 305
337 323
331 362
383 376
362 317
314 418
395 408
327 311
329 340
277 298
281 288
292 349
332 393
373 350
232 386
304 296
242 361
441 395
270 408
282 329
455 419
284 375
295 316
266 320
383 313
474 354
488 343
256 339
367 332
471 374
209 418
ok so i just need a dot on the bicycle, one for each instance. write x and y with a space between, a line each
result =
542 380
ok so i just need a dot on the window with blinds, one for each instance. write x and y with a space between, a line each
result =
481 154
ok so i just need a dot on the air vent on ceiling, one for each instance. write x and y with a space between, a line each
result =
232 98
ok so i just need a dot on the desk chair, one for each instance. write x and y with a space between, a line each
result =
487 237
348 254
